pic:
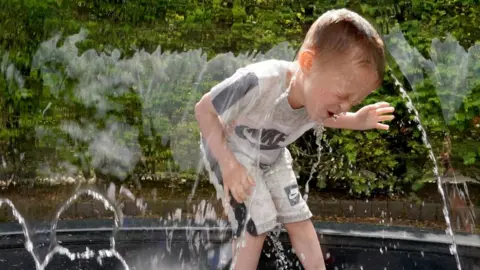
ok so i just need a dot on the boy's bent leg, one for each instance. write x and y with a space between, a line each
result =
294 213
252 218
250 234
248 252
305 242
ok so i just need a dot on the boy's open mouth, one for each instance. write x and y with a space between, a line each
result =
330 114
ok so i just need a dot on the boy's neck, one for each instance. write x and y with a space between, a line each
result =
295 96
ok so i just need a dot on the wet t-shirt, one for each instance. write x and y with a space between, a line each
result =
253 106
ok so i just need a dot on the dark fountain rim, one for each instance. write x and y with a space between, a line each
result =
348 235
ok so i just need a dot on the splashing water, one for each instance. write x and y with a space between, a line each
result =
318 140
449 231
452 87
282 261
203 214
55 247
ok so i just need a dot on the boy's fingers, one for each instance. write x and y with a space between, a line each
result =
243 193
382 104
385 110
227 193
240 194
246 186
386 118
251 181
382 126
235 196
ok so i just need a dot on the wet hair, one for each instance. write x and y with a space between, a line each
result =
340 32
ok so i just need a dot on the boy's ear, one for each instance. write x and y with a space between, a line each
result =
305 60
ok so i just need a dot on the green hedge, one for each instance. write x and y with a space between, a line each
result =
62 98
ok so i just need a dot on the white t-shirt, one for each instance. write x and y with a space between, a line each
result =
251 100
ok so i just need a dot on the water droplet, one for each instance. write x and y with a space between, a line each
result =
452 249
29 246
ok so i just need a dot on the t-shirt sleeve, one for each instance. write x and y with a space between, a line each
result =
234 95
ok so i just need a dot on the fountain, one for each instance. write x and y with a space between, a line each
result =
410 59
194 236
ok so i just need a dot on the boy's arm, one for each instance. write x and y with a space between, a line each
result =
224 103
212 130
347 121
368 117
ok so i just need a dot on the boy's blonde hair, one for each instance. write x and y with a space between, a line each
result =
336 32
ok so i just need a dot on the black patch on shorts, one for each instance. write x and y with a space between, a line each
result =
293 194
251 228
239 209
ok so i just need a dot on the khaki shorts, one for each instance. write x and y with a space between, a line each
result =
275 198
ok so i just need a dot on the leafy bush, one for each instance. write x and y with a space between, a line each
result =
133 74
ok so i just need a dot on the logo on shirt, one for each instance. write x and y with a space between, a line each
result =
269 138
293 194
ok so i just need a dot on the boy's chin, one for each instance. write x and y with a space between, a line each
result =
320 117
327 115
319 120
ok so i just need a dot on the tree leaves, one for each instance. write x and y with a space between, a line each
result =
47 81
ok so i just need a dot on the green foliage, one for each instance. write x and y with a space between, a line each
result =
44 86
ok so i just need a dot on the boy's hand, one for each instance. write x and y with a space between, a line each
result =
236 181
370 116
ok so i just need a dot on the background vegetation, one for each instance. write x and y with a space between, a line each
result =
73 104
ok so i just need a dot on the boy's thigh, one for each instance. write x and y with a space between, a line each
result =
282 184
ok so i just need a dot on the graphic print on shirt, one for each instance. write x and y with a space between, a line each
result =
243 101
270 138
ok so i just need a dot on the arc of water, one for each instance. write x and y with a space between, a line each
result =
55 247
25 229
456 87
449 231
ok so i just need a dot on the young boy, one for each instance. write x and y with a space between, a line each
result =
248 120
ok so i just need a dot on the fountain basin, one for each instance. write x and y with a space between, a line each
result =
149 244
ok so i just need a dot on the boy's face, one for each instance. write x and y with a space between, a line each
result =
334 87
